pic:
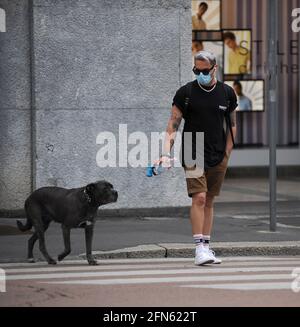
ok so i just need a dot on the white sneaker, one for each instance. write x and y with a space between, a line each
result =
202 257
212 255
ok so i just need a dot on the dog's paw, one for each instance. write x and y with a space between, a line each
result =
93 262
31 260
60 257
52 262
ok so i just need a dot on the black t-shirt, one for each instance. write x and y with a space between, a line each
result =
206 113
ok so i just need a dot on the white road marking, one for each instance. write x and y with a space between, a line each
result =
267 222
101 261
86 268
245 286
281 225
141 266
272 272
199 270
158 280
255 217
152 260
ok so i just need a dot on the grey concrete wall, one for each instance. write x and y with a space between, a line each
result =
99 64
15 156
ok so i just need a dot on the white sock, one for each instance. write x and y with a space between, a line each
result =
206 240
198 239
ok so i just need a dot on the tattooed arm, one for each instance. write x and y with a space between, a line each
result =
172 128
229 144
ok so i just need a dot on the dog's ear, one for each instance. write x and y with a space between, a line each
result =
90 188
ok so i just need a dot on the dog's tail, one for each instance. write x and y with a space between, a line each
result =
22 227
28 225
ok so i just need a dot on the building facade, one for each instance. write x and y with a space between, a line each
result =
71 69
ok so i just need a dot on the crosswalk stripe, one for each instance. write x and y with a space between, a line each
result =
139 267
245 286
123 281
211 270
238 273
152 260
87 268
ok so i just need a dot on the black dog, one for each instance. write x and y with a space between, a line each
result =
72 208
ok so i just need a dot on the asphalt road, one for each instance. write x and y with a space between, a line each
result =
238 282
233 223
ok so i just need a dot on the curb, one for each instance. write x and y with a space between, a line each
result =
182 250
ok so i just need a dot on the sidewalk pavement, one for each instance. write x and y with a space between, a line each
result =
187 250
241 227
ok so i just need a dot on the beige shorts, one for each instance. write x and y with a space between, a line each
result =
210 182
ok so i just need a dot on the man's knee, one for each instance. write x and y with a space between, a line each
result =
209 203
199 199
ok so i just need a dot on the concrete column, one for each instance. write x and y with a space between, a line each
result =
15 103
99 64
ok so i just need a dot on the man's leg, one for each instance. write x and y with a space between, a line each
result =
197 213
215 177
208 215
197 189
197 221
207 226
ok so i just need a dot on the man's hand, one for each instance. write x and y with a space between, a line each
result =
164 160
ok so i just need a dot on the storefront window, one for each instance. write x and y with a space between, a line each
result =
237 32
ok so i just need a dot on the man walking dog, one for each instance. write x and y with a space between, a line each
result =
205 104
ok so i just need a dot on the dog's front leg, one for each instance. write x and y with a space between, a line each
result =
67 243
89 230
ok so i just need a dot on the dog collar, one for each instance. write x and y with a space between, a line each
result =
87 196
